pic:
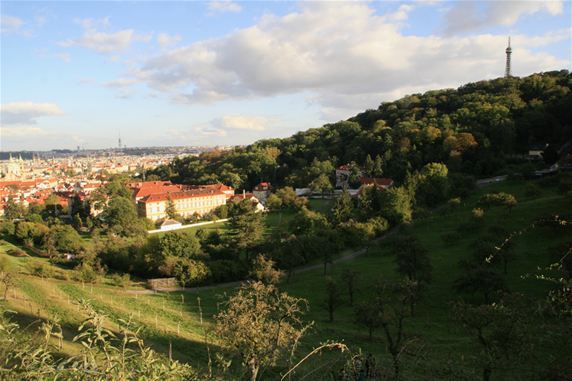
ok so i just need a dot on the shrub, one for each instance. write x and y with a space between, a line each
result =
532 190
17 252
39 269
86 273
478 213
121 280
454 203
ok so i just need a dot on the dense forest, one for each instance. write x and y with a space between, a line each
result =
478 129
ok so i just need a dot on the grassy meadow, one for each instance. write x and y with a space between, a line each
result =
183 319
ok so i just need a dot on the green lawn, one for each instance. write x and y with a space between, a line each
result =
175 317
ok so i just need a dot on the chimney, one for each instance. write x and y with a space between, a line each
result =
244 193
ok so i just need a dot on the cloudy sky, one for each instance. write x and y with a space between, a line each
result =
228 72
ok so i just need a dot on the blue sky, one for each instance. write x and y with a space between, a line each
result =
222 73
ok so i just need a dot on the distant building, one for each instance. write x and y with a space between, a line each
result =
536 151
259 207
379 182
343 176
262 191
170 225
187 203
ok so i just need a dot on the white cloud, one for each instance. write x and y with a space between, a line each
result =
21 131
10 24
224 6
165 39
470 15
244 123
346 66
104 42
26 113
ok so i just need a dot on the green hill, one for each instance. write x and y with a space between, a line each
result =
175 318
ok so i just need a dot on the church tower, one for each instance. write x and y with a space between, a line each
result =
507 71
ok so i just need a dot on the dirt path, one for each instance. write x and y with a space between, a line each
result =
348 255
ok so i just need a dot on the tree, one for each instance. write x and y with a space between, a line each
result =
413 262
263 270
260 325
273 202
14 211
369 166
246 226
288 196
321 184
77 222
7 278
64 239
392 301
412 259
396 205
368 315
479 279
333 297
432 184
170 210
378 167
350 276
500 330
184 244
343 207
120 217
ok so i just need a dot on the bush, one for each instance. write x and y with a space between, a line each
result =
86 273
121 280
61 275
496 199
225 270
454 203
532 190
478 213
39 269
17 252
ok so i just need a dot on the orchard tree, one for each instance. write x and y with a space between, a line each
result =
368 314
264 270
260 326
500 331
349 277
333 297
412 259
479 278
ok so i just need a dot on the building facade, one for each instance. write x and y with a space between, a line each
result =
187 203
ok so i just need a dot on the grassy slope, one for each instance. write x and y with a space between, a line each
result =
442 340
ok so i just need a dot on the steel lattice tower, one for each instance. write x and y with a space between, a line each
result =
508 53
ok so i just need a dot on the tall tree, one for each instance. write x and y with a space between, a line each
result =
246 226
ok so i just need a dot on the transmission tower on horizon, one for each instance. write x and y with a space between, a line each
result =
507 71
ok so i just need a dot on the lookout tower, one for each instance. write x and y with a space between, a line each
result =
508 53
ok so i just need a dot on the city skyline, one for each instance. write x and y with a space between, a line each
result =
225 73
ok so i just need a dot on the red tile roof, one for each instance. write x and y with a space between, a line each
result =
181 195
382 182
